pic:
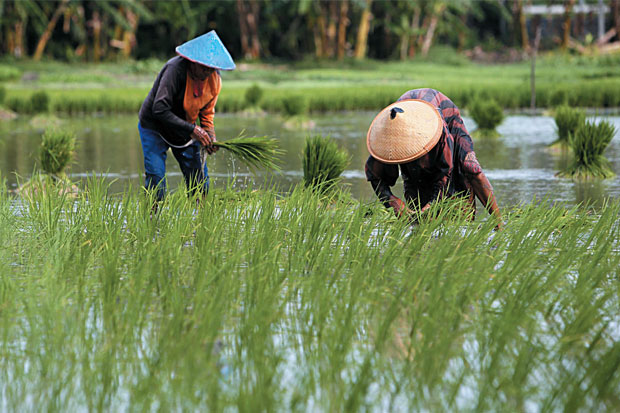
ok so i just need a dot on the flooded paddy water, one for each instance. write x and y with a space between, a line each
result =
517 163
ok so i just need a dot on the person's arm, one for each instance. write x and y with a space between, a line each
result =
442 165
484 192
382 176
169 86
481 186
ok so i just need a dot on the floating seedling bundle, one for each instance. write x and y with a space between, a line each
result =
588 144
567 120
258 152
323 163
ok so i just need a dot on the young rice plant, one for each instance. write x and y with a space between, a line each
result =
588 144
257 302
323 162
487 114
568 120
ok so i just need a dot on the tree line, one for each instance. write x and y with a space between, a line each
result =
274 29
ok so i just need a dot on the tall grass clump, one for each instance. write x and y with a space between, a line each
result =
40 102
588 144
56 151
294 105
487 114
568 120
258 152
253 95
255 302
323 163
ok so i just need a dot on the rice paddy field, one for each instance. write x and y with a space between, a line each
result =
267 296
258 302
585 81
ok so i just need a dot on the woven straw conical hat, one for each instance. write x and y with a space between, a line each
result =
404 131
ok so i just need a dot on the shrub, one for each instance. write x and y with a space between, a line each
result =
39 102
19 105
56 150
323 163
588 144
487 114
9 73
294 105
253 95
568 119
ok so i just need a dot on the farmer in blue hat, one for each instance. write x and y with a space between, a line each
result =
178 113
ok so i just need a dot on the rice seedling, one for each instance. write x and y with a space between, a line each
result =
323 162
8 73
588 144
567 120
40 101
258 152
56 150
487 114
294 105
55 154
282 304
253 95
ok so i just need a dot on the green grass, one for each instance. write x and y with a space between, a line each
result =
323 163
588 144
568 120
261 303
328 86
487 114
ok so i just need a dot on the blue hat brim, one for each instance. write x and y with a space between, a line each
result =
207 50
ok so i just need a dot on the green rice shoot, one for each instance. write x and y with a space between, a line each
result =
487 114
323 163
56 151
258 302
258 152
588 144
568 120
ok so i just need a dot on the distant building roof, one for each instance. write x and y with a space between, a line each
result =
559 9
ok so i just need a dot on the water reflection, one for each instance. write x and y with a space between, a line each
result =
518 163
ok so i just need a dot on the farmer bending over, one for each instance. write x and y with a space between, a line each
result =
423 134
184 92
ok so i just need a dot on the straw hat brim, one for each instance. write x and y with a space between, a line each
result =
410 134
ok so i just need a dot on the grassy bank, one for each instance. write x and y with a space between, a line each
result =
258 302
578 81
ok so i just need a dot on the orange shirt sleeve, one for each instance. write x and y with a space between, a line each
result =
208 111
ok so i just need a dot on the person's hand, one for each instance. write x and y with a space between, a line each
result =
211 149
400 208
206 138
201 136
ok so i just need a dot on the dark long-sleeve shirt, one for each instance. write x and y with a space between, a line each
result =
443 171
163 109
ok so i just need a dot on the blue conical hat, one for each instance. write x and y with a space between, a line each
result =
207 50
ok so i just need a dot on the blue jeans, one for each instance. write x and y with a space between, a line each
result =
155 151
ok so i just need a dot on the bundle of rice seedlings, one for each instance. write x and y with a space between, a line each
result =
258 152
588 144
323 163
567 120
253 95
294 105
56 151
40 101
487 114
